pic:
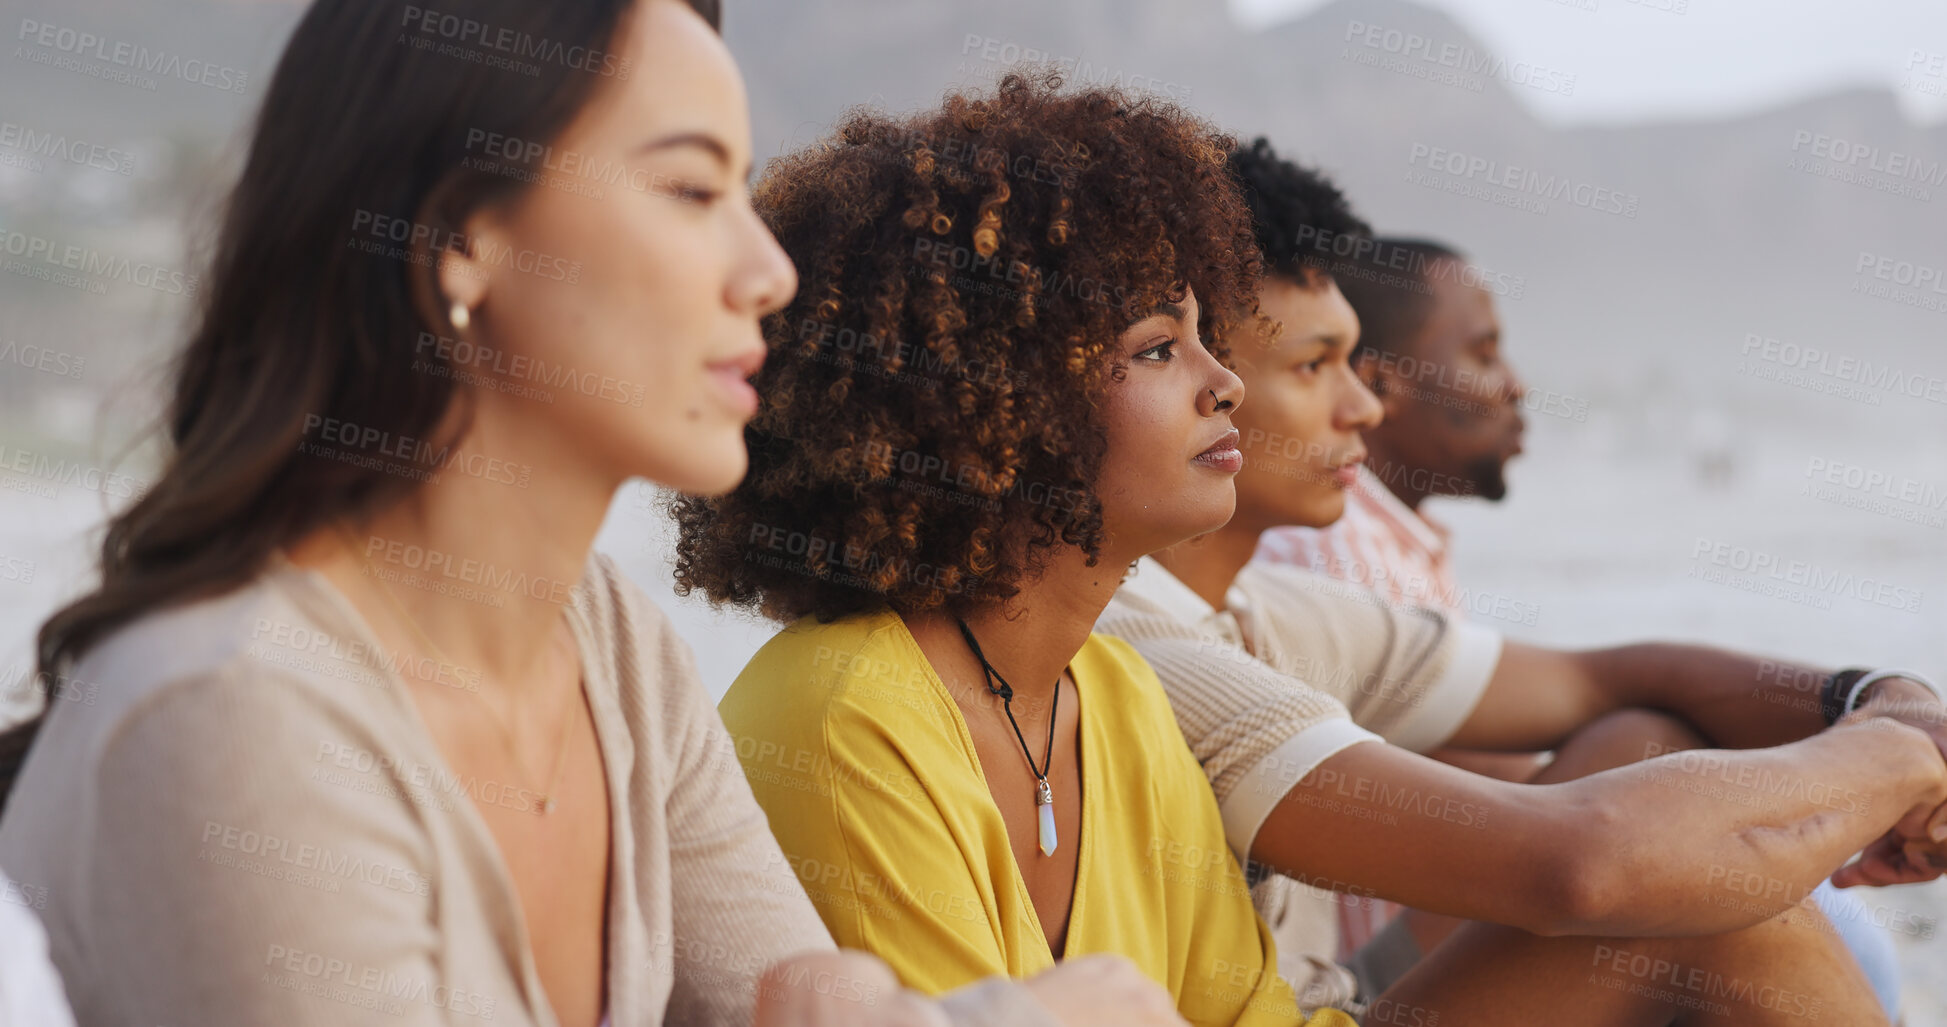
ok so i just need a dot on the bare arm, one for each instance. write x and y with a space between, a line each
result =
1690 843
1538 696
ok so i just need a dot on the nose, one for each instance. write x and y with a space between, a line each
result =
1358 409
1517 389
1222 393
763 280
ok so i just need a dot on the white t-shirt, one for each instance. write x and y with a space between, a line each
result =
30 989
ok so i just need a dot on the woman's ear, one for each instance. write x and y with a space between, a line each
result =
462 259
465 268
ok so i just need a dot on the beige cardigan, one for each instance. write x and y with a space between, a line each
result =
251 825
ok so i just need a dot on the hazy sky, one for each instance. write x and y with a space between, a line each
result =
1635 59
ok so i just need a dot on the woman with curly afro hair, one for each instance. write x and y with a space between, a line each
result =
1002 381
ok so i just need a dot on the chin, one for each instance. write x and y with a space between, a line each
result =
1187 524
1322 511
704 470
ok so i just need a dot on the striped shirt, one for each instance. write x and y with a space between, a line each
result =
1380 543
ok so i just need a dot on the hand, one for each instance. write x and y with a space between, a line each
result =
839 989
1916 706
1104 991
1904 854
1893 859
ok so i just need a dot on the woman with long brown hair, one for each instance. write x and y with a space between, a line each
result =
379 737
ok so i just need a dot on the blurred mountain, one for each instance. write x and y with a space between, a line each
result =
1726 235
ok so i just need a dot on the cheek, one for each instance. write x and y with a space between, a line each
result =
1143 438
1130 457
634 294
1294 426
619 330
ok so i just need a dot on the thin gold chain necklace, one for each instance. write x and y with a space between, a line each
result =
549 798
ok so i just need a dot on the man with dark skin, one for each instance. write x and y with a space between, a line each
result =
1430 350
1231 642
1452 403
1432 355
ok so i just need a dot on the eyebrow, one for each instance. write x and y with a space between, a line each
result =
707 143
1334 340
1167 310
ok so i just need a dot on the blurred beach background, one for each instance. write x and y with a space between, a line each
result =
1721 231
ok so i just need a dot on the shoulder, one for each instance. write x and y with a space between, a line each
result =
848 703
857 674
626 626
241 709
261 658
1108 656
637 656
1329 605
1126 690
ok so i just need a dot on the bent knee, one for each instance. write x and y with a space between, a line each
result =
1623 737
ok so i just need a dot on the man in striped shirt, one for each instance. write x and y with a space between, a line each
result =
1306 697
1431 352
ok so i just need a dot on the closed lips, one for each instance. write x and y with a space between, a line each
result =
1226 441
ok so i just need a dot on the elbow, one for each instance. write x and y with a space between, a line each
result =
1581 882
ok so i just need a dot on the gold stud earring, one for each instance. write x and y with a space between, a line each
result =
460 316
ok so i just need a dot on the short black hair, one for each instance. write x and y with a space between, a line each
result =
1303 222
1392 306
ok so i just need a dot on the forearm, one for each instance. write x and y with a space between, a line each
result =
1654 848
1706 841
1737 700
1538 696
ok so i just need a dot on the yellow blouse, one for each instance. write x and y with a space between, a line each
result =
861 760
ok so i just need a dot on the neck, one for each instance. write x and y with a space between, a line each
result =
1210 563
1031 638
1397 476
516 550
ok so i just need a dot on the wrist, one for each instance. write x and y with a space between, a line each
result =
1928 764
1909 748
1896 693
1888 691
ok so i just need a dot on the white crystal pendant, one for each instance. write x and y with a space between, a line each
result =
1044 798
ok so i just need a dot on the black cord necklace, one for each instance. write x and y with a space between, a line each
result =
1044 796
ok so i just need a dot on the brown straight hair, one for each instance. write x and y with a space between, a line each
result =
379 115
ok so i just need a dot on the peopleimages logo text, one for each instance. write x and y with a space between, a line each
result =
134 56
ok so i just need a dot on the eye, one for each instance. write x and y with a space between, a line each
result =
1164 352
686 192
695 194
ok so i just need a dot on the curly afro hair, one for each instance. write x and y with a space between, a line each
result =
1304 225
930 427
